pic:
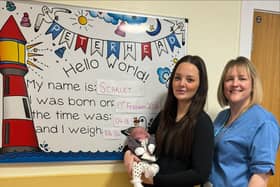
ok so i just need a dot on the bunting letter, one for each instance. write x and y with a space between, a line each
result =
161 46
130 50
81 42
172 41
146 50
55 29
67 37
97 46
113 47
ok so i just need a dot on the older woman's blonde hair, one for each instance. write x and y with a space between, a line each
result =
241 62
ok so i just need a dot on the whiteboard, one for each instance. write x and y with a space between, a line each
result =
89 73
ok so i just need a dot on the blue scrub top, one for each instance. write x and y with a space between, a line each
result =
247 146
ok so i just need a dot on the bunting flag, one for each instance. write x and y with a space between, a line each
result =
113 47
67 37
146 50
55 29
81 42
172 41
130 50
161 46
97 45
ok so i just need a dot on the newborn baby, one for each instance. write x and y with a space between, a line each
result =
142 144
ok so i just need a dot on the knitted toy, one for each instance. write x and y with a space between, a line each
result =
142 144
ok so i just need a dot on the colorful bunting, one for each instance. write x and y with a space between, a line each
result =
113 47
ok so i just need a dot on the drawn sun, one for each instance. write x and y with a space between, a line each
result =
81 19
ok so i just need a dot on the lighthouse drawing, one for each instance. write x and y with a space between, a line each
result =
18 132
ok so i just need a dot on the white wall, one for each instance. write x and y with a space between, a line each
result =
246 27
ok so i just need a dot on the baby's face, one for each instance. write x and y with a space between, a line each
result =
139 133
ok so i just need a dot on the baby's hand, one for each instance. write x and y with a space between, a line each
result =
151 148
139 151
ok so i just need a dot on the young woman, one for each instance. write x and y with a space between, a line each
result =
184 132
246 135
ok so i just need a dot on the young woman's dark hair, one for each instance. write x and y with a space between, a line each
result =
179 141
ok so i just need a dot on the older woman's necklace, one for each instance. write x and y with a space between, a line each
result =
220 129
227 123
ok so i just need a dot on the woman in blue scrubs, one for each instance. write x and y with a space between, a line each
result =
246 134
